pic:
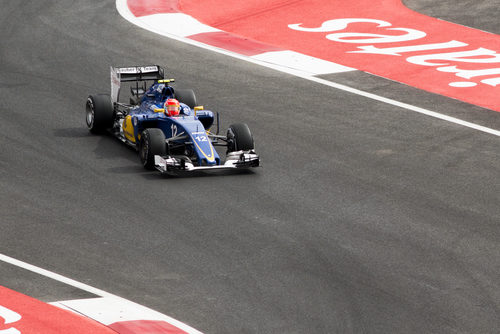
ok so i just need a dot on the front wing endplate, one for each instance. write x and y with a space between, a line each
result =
234 160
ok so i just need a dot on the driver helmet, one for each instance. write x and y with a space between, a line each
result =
172 107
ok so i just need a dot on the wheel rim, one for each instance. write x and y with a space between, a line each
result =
90 115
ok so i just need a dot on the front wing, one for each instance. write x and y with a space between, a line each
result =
234 160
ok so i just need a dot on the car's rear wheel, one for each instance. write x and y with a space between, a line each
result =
99 113
239 138
152 143
186 96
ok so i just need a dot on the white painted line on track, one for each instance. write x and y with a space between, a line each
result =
114 305
405 106
54 276
124 11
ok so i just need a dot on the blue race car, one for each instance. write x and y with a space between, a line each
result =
170 131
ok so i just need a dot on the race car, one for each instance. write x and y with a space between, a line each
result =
166 126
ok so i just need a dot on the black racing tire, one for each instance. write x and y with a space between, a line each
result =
152 143
239 138
186 96
99 113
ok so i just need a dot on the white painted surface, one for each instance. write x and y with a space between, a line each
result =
177 24
108 310
302 62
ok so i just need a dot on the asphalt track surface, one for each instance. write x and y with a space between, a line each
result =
365 218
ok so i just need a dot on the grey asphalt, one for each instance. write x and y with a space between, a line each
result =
482 14
365 218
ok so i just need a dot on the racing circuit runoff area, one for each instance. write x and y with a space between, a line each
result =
366 217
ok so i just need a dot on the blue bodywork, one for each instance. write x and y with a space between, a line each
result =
189 129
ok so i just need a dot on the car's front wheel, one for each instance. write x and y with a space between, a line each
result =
152 143
239 138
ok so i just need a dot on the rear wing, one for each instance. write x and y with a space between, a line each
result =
133 73
140 73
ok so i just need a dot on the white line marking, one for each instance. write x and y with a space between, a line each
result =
107 297
54 276
405 106
124 11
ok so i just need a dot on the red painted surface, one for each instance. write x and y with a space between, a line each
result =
268 21
231 42
150 7
22 314
427 62
145 327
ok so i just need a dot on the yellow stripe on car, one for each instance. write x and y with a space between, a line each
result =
128 129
